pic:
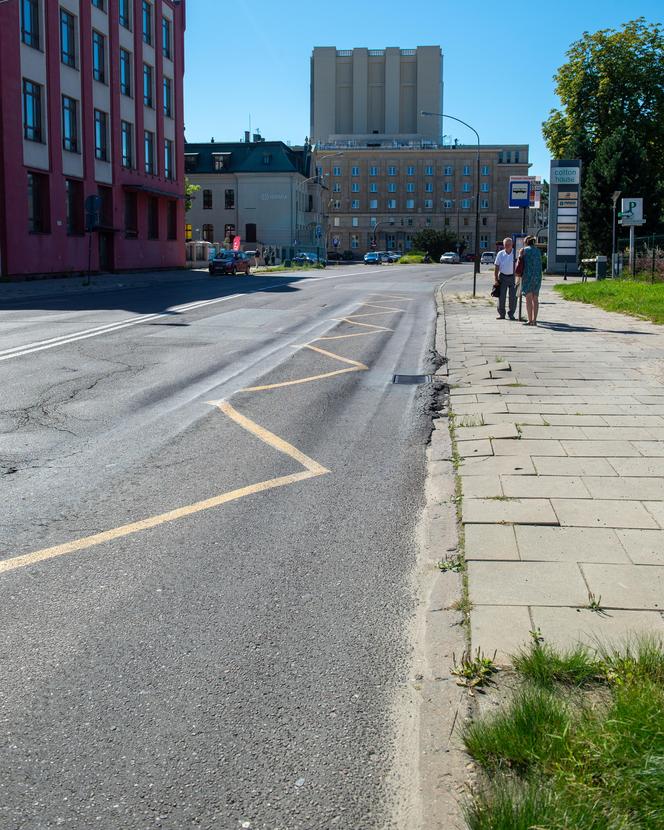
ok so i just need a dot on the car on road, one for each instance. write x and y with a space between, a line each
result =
393 256
230 262
373 258
486 258
451 258
307 258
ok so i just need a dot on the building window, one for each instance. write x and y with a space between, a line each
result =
355 187
74 207
336 188
169 160
147 22
147 85
373 187
131 215
336 204
447 221
466 221
188 232
447 204
484 204
127 142
484 220
465 204
355 222
373 221
168 98
355 171
485 169
517 156
153 217
410 187
428 171
447 187
355 204
508 156
373 204
391 171
267 158
410 171
428 187
125 72
30 23
171 220
501 157
448 171
484 187
466 187
99 57
229 233
166 37
410 204
336 171
391 204
337 221
391 188
99 4
32 111
208 233
150 166
69 124
466 170
101 136
250 232
207 200
229 199
354 241
484 240
373 171
125 19
38 203
67 38
428 204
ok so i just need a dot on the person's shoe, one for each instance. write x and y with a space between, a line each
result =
512 317
500 317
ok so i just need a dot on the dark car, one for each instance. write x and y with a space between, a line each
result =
306 258
230 262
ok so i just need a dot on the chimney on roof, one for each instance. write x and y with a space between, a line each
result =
247 138
257 138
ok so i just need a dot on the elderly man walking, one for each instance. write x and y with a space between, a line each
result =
504 278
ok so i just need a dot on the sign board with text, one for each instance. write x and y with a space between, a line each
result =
564 216
519 193
631 211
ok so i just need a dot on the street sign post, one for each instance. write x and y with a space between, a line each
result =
631 212
519 193
564 216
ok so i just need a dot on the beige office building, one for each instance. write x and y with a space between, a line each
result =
373 94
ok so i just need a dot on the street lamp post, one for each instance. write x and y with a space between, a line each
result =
476 264
614 197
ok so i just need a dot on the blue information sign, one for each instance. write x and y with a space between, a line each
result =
519 193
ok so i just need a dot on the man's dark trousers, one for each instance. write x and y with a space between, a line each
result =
507 283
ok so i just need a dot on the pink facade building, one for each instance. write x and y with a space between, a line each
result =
91 104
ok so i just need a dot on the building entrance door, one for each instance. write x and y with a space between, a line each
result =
105 251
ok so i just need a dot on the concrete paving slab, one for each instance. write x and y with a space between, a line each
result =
565 627
481 487
644 547
570 544
511 511
528 447
540 410
544 487
479 408
656 509
573 466
506 465
650 449
506 431
602 513
576 420
511 418
627 586
502 630
527 583
474 449
634 420
600 449
490 542
640 488
615 433
570 433
638 466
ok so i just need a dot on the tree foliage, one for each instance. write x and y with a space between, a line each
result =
189 190
612 117
435 242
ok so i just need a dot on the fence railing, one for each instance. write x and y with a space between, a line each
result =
648 258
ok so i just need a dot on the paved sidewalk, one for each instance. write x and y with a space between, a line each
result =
560 429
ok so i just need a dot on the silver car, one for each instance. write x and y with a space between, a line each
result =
451 258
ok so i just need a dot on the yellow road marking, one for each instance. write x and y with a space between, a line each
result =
385 307
392 297
356 363
372 314
312 470
365 325
356 367
354 334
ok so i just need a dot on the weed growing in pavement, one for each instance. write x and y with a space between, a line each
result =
595 603
514 385
474 670
462 604
500 358
580 746
451 564
472 421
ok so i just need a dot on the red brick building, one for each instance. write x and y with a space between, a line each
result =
91 103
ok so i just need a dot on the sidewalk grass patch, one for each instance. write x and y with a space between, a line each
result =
638 299
580 745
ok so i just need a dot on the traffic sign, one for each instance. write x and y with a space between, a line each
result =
92 212
631 212
335 241
519 193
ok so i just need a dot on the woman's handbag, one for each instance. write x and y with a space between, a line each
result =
519 267
495 290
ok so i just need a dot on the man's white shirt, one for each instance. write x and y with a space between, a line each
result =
505 262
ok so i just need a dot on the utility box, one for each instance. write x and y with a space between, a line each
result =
600 267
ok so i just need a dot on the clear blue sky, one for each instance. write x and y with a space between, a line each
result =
250 58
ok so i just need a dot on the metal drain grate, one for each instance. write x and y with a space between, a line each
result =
412 379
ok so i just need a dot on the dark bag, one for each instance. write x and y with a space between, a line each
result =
495 290
519 266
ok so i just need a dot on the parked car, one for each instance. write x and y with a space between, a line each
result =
334 256
469 258
486 258
230 262
373 258
307 258
393 256
451 258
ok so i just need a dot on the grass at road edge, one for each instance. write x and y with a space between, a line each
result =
638 299
579 746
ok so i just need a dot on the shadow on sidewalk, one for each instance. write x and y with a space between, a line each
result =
566 327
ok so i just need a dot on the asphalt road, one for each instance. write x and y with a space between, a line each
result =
205 567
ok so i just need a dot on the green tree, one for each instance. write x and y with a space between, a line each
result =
611 92
189 190
436 242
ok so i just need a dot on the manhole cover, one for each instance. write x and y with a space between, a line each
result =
413 379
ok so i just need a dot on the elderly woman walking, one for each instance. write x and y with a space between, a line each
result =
531 278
